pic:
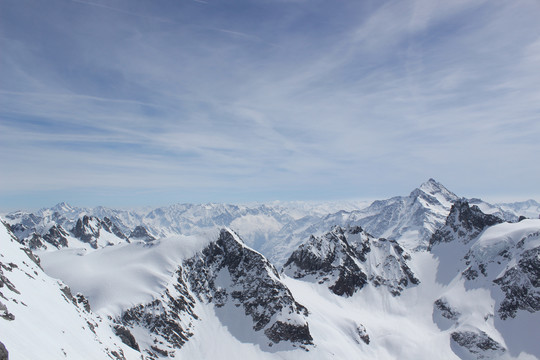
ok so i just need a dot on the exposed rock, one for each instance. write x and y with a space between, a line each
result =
347 259
126 336
478 344
168 317
87 230
4 355
282 331
521 285
5 314
141 233
35 242
446 310
331 260
111 227
252 283
82 301
56 236
362 334
464 223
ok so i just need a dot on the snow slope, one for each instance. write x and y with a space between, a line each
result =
41 319
500 263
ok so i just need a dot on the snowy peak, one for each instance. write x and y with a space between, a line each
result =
62 207
241 282
348 259
329 259
88 229
437 190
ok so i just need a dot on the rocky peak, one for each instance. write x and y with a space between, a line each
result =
228 273
330 259
141 233
57 236
62 207
87 230
91 230
346 259
464 223
434 191
111 227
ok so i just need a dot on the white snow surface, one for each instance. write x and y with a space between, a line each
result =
46 324
118 277
399 327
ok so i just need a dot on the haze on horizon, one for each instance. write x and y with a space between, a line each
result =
130 103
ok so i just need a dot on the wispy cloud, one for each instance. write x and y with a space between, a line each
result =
269 99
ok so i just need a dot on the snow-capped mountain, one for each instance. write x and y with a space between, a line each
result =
423 276
239 280
274 229
347 259
410 220
499 262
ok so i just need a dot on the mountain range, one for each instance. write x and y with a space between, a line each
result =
423 276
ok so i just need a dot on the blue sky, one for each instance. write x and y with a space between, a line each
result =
139 102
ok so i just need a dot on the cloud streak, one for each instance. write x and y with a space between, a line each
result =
266 101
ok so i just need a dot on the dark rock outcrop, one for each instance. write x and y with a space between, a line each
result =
464 223
347 259
141 233
446 310
478 344
126 336
252 284
521 285
167 318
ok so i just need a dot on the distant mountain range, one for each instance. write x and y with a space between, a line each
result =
424 276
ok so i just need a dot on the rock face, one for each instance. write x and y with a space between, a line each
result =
411 220
227 273
141 233
167 320
478 345
509 261
446 309
487 253
347 259
464 223
87 230
521 282
56 237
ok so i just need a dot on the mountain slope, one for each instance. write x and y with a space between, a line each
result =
410 220
500 262
348 259
41 319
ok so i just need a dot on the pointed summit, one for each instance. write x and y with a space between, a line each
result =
432 187
437 190
62 207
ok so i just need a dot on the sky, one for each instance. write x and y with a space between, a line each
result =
153 102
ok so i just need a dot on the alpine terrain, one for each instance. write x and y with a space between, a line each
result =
429 275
